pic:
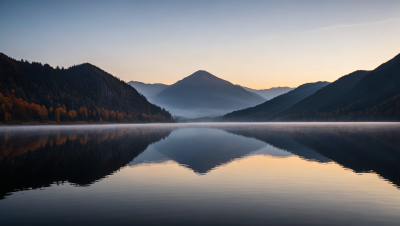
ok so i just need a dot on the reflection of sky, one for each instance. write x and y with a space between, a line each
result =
258 44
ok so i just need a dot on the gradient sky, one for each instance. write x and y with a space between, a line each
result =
258 44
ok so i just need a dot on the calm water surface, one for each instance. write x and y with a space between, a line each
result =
201 174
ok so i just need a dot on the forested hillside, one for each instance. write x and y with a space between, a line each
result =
36 92
326 98
375 97
267 110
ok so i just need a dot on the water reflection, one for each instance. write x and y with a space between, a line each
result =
39 157
203 149
369 147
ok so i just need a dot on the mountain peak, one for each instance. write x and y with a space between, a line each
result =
202 77
203 74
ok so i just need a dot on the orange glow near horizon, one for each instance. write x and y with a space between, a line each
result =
272 61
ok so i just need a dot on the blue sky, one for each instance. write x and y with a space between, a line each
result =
259 44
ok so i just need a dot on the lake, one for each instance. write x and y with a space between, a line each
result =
201 174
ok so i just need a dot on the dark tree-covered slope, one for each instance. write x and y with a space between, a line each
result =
326 98
79 86
266 110
376 88
375 97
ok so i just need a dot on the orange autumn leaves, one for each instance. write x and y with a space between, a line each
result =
14 109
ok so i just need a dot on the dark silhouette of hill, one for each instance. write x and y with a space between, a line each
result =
203 94
325 99
375 97
268 94
266 110
148 90
70 89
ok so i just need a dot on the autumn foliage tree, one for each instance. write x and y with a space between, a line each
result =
72 115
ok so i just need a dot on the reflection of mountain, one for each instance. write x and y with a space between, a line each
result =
373 149
360 147
280 141
37 159
201 149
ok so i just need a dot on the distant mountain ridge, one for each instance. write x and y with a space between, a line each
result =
151 90
148 90
203 94
270 93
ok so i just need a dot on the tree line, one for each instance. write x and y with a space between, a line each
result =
13 109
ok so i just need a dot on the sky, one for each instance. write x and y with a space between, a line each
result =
257 44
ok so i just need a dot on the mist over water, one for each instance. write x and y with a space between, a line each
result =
197 174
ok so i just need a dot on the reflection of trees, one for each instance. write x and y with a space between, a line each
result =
361 148
35 160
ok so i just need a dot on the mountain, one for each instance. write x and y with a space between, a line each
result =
268 94
203 94
32 91
375 97
148 90
265 111
326 98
